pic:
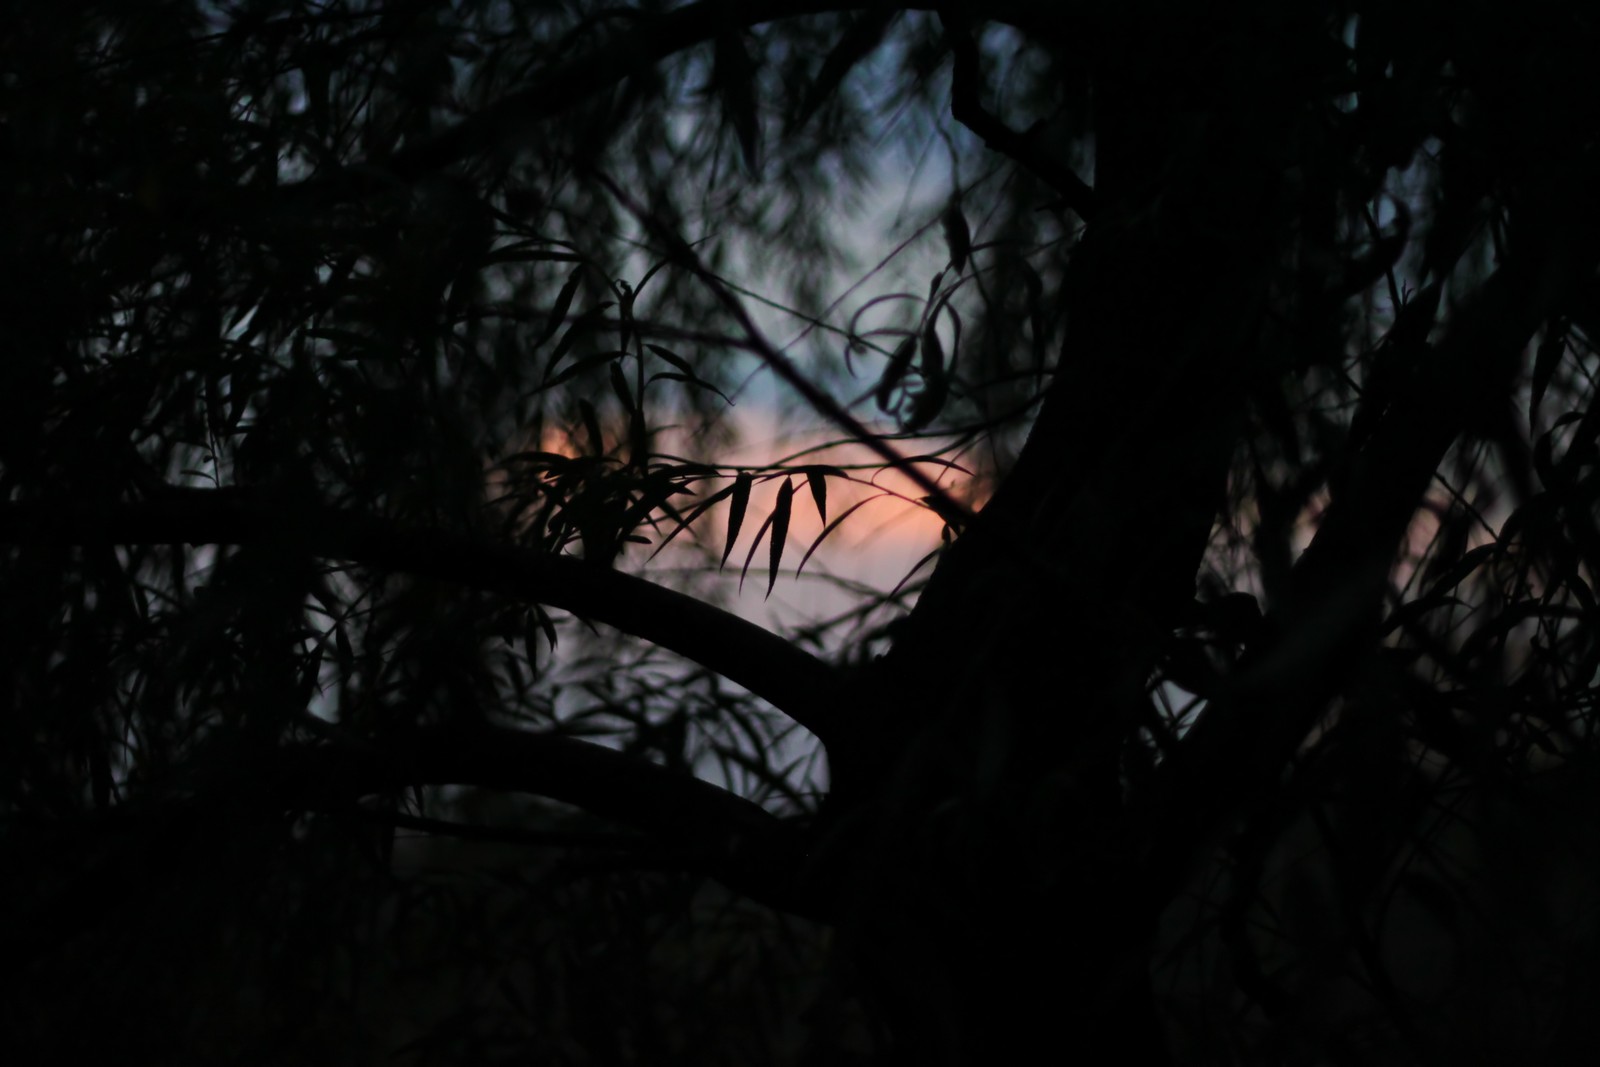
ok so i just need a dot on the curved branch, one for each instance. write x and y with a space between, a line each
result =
701 828
734 840
791 679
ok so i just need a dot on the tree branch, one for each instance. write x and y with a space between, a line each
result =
940 501
792 680
650 41
968 110
1253 729
732 839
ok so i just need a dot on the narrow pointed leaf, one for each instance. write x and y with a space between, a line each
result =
736 508
546 624
935 384
1545 362
819 492
579 366
921 563
1036 319
558 311
581 325
671 357
735 77
638 438
619 385
857 42
699 509
957 234
832 526
591 423
750 556
688 375
689 379
780 529
899 363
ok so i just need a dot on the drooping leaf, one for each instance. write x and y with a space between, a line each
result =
689 379
899 363
855 44
915 567
935 382
546 623
1414 319
341 644
735 80
671 357
749 557
1036 319
580 366
638 438
687 376
736 509
832 526
591 423
1469 562
584 323
1545 361
558 310
699 509
780 529
818 483
957 234
526 252
619 385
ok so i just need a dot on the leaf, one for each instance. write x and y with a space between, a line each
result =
700 509
1413 320
940 461
546 624
558 311
689 379
818 483
899 363
1458 572
580 326
619 385
936 386
538 618
1036 320
832 526
688 375
591 423
957 234
921 563
751 555
1545 361
521 254
780 529
1436 898
572 370
736 509
735 78
671 357
656 488
855 44
638 438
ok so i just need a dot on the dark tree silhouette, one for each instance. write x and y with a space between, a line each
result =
359 355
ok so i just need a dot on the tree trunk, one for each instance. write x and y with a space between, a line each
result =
996 895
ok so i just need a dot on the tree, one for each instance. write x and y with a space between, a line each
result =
353 356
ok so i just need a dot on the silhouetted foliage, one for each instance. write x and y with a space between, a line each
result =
370 495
